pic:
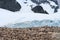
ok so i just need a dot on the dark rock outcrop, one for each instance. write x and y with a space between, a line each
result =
45 1
39 1
56 8
11 5
39 9
55 1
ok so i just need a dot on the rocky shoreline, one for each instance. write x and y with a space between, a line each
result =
36 33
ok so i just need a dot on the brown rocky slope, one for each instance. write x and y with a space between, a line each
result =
37 33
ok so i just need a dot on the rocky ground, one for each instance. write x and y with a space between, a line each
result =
37 33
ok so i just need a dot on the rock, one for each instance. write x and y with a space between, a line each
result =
35 33
11 5
39 1
55 1
38 9
57 7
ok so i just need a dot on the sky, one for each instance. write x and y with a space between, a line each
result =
25 14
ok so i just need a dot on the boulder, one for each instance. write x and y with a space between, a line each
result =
38 9
11 5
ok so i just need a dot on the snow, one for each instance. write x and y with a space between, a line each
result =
25 14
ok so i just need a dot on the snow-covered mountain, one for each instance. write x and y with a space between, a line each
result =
20 18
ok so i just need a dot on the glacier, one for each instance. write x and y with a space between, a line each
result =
35 23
